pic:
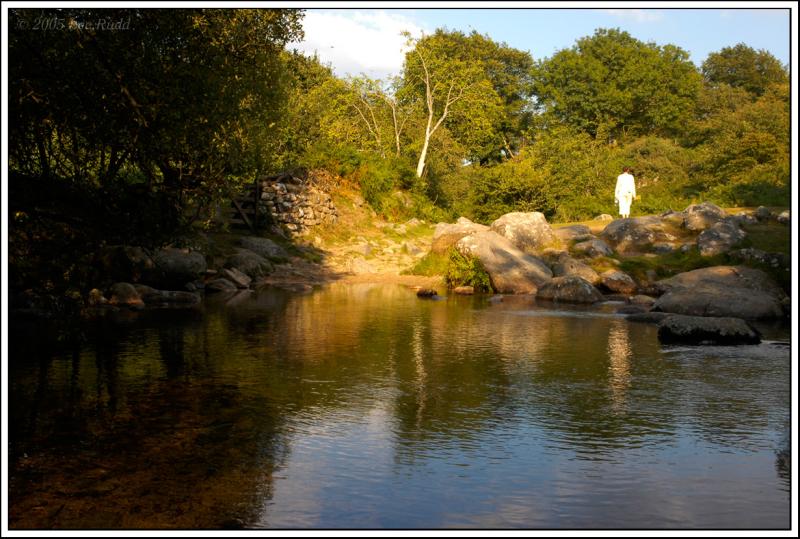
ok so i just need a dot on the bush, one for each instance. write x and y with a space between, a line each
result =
466 271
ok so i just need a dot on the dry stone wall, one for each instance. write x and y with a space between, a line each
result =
296 204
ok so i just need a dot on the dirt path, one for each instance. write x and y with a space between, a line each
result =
376 261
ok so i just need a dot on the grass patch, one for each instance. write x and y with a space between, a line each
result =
769 237
669 264
430 265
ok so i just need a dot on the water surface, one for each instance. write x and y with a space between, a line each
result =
363 406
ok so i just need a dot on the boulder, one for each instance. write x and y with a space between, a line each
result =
126 295
652 317
566 265
726 291
604 217
166 298
593 248
573 233
618 281
249 263
265 248
124 262
511 270
529 231
706 330
632 309
175 267
775 260
446 235
221 284
641 299
702 216
240 279
426 293
763 213
464 290
784 217
633 235
745 218
674 218
721 237
569 289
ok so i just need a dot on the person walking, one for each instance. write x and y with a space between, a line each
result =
625 192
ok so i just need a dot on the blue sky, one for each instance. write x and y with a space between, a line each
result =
366 40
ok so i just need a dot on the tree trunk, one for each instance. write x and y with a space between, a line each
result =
422 155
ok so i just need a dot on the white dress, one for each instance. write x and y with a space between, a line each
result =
625 193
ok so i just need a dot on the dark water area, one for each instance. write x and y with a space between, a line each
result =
361 406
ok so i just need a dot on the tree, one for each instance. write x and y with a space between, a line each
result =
449 87
182 100
744 67
615 85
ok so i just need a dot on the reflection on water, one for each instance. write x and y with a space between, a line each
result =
362 406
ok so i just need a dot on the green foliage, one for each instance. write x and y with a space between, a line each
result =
614 84
744 67
466 271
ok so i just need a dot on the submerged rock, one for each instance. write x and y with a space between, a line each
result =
706 330
426 293
166 298
124 294
464 290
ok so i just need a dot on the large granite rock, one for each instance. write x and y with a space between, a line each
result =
567 265
511 270
573 233
529 231
265 248
726 291
618 281
785 217
249 263
173 268
702 216
634 235
706 330
569 289
720 238
446 235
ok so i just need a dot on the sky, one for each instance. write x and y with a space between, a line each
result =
364 40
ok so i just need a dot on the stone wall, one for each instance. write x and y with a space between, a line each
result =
296 204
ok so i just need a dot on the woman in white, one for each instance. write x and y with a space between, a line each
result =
625 192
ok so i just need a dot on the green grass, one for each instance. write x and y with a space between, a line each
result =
669 264
430 265
769 237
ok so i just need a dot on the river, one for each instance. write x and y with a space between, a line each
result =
362 406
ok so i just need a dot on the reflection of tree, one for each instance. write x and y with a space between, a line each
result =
619 370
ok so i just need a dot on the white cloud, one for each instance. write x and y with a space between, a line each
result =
358 41
636 15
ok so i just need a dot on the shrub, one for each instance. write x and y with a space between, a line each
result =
466 271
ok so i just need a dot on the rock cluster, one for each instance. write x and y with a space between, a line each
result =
296 204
